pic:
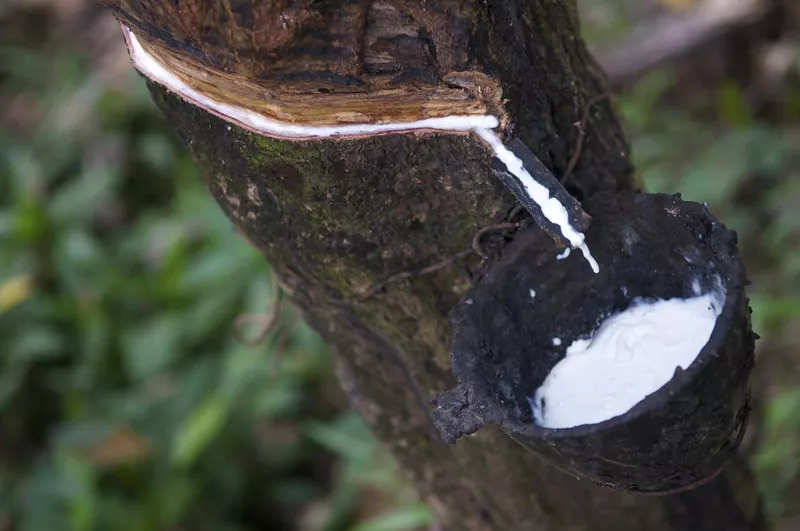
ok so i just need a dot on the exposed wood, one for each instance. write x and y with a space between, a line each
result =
320 63
336 217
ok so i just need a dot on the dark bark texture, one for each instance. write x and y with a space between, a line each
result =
353 229
502 350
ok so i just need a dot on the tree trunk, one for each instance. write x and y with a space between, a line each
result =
371 236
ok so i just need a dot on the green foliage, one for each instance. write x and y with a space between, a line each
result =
778 462
197 430
126 401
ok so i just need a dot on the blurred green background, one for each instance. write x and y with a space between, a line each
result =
138 391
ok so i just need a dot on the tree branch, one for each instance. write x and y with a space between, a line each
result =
675 35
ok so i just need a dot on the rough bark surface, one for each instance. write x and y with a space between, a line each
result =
503 350
350 227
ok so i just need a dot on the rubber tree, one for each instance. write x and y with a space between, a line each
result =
371 235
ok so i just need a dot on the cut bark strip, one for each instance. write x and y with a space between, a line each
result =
578 219
556 217
314 92
276 123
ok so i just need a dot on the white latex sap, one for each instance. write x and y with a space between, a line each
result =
481 125
551 207
631 355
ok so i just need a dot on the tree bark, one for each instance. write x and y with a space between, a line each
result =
371 237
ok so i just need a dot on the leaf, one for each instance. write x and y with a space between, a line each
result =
241 368
82 433
81 253
95 338
715 175
37 343
40 497
773 456
348 437
401 519
82 496
14 291
173 497
157 151
783 413
213 270
152 346
732 105
198 430
30 224
79 199
276 399
769 309
206 316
